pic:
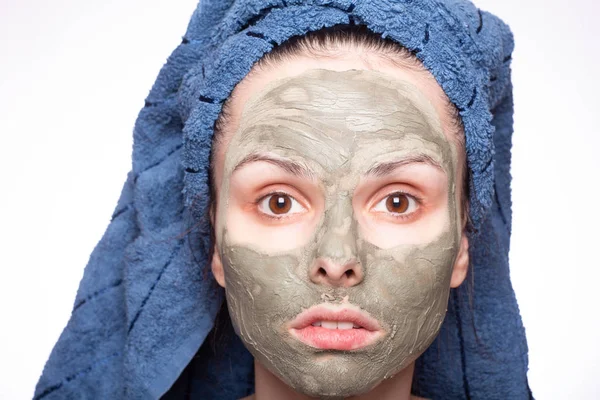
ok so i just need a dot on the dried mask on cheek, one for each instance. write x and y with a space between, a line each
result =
338 124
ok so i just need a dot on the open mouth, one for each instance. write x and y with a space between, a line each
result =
329 327
343 325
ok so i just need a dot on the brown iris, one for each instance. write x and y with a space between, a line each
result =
280 203
397 203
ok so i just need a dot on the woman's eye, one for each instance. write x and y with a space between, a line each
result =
397 203
279 204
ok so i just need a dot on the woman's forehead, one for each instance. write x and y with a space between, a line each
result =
261 77
340 123
340 111
351 59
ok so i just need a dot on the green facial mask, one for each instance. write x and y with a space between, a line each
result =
338 124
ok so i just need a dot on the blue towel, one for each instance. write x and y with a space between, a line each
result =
147 301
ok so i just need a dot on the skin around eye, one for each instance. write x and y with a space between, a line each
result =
397 204
278 205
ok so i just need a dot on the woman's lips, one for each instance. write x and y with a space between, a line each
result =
329 327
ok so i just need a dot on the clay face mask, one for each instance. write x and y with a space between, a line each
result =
340 135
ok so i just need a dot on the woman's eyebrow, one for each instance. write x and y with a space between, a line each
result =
290 166
381 169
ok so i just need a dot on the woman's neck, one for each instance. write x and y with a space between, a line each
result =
268 386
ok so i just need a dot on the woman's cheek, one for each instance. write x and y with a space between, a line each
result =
249 227
386 233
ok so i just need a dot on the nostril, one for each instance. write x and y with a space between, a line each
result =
326 272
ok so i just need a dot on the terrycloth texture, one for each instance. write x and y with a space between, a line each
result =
148 300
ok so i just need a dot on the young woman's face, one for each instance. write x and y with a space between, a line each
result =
337 220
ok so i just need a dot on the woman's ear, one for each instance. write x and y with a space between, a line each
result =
217 267
216 264
461 265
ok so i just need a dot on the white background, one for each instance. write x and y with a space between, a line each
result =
74 75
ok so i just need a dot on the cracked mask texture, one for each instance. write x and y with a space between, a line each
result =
338 124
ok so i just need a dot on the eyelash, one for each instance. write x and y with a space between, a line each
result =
267 195
403 216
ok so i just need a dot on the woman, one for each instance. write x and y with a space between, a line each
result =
337 198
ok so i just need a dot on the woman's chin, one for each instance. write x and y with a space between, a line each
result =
327 376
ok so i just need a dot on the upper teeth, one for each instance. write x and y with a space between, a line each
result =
335 324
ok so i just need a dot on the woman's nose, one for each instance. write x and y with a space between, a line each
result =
331 273
337 263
